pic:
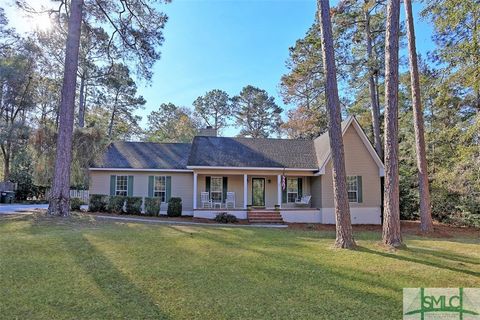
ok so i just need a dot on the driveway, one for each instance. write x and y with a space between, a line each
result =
20 208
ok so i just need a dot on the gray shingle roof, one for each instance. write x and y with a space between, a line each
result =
248 152
145 155
219 152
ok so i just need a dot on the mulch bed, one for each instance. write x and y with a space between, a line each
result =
163 218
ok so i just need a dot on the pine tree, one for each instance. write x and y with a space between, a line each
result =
426 224
60 193
344 236
391 217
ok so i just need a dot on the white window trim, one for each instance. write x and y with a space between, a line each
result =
116 185
155 187
221 191
356 189
296 193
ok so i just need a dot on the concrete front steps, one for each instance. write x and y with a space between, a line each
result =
265 217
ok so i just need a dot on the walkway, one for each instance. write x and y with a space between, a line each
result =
16 208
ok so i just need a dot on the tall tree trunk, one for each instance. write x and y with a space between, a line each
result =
391 234
81 103
426 224
112 118
6 169
373 95
344 236
60 194
6 164
110 126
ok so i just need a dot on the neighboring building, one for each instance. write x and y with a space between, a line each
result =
293 175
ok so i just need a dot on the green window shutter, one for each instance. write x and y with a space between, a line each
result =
130 186
207 184
169 188
300 187
225 186
113 180
359 189
284 192
151 180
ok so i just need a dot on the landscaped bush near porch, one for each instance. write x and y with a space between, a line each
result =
115 204
75 204
98 203
152 206
224 217
133 205
174 207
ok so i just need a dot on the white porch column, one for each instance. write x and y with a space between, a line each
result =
195 178
279 190
245 191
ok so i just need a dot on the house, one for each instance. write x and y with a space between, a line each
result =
264 174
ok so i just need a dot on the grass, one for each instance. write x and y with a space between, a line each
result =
80 268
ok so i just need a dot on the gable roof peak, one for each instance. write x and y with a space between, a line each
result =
323 151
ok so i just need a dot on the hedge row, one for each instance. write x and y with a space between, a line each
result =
133 205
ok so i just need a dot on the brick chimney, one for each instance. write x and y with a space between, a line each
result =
207 132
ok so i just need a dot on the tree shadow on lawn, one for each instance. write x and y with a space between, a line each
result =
125 297
445 255
426 262
368 236
280 258
270 271
422 252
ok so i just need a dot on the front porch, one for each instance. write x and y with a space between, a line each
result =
239 191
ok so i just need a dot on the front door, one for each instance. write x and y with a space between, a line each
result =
258 192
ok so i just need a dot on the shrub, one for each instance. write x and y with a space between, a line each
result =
174 207
224 217
115 204
133 205
152 206
75 204
98 203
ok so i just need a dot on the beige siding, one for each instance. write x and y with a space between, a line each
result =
100 182
358 162
182 184
316 188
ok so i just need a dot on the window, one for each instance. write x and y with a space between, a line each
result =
160 187
292 189
352 188
121 186
216 189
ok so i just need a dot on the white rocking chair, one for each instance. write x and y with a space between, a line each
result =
205 200
230 201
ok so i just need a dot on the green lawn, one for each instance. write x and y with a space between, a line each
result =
83 269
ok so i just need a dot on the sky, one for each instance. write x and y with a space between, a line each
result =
226 44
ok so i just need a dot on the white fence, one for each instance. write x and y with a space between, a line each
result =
79 194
